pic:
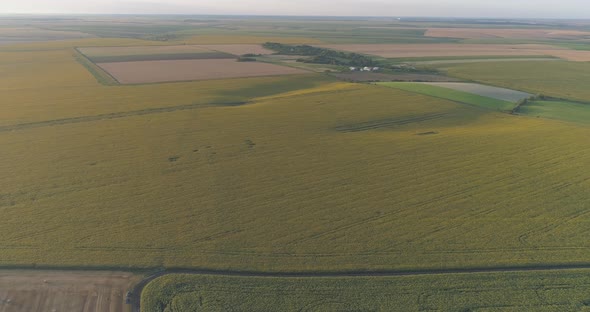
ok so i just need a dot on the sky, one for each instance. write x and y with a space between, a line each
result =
431 8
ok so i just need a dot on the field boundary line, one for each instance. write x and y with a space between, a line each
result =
102 76
82 119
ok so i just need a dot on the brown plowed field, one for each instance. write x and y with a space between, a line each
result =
186 70
449 50
46 291
482 33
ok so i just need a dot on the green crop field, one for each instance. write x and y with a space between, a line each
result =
530 291
453 95
177 175
567 80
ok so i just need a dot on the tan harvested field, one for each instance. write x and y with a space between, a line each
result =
187 70
46 291
448 50
485 33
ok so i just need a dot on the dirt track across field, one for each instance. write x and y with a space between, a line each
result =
62 291
187 70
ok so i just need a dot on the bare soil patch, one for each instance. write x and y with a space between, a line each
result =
366 77
483 33
449 50
186 70
46 291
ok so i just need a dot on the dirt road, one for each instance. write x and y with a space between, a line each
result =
63 291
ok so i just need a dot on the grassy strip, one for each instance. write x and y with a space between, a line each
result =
101 75
453 95
161 57
521 291
556 109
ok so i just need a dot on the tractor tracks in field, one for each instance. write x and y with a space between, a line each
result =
135 293
82 119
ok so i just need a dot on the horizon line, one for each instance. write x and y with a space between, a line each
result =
288 15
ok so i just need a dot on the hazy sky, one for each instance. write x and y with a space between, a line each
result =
446 8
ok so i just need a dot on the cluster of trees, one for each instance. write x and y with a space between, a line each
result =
322 55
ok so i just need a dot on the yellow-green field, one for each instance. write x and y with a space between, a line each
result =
527 291
309 174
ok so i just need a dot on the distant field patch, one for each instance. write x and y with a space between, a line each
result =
565 80
481 60
450 50
483 90
485 33
141 50
238 49
11 35
162 57
186 70
432 89
151 53
370 76
561 110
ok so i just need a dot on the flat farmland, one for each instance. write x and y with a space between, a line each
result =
11 35
335 180
565 80
453 94
561 110
170 52
47 291
150 53
483 90
141 50
486 33
561 290
373 76
233 49
238 49
186 70
468 50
